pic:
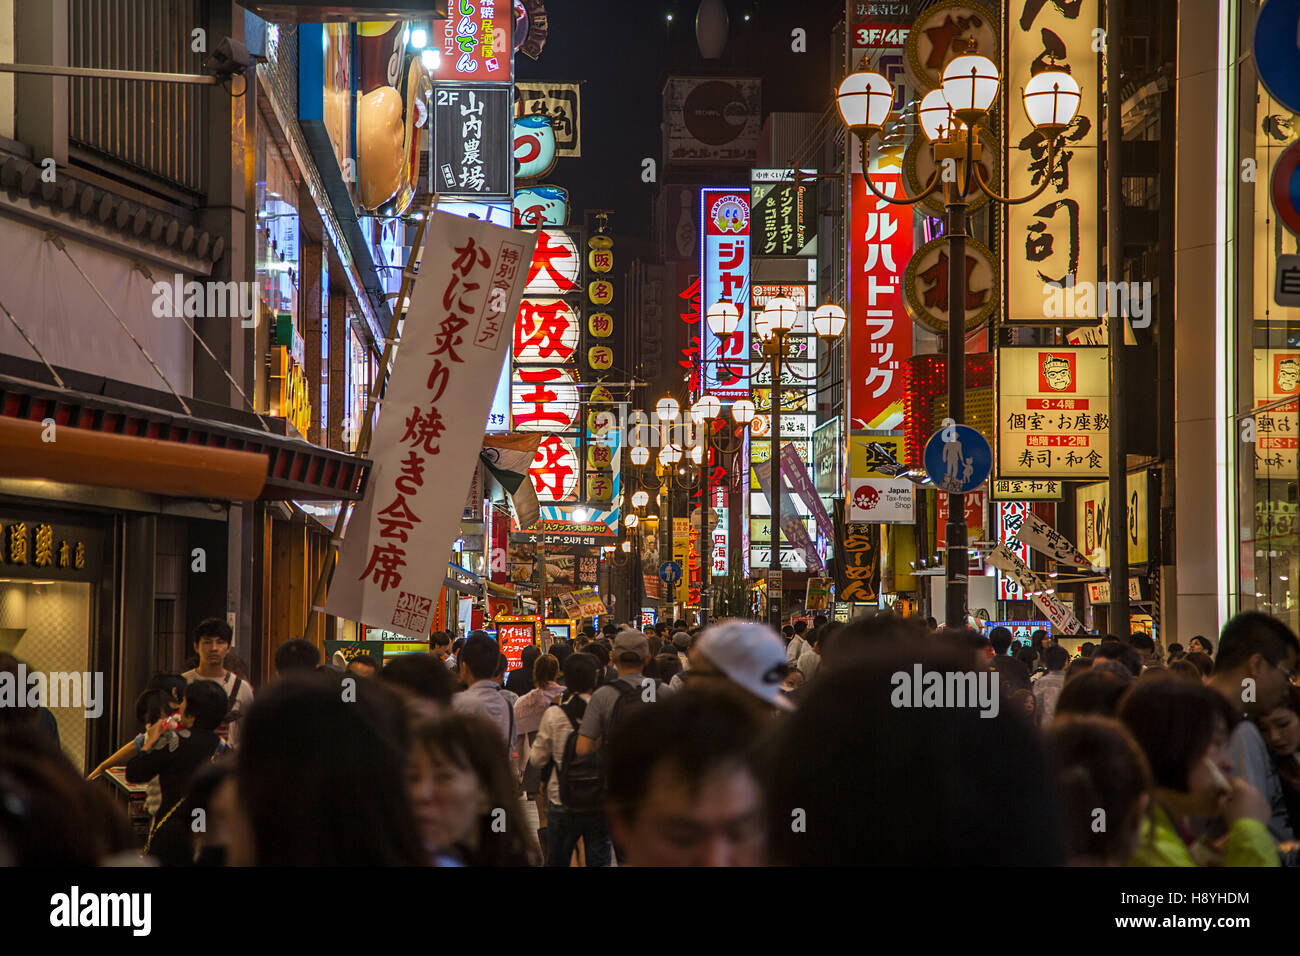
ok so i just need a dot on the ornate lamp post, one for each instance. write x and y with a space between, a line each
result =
949 117
773 326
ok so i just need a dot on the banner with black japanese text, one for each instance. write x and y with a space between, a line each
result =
396 550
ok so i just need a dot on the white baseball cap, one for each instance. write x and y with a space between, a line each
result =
751 656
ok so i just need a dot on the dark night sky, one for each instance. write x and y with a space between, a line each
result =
623 49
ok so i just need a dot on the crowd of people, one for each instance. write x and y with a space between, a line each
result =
732 745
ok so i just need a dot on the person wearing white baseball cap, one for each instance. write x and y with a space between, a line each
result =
745 657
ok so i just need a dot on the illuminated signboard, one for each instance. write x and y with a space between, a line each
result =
546 330
1011 514
1055 238
724 266
554 470
534 147
543 399
556 264
472 158
1053 412
880 330
474 43
541 206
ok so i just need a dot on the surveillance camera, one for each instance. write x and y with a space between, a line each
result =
230 58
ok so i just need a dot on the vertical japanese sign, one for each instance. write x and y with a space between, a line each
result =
473 157
1011 515
784 213
682 555
724 271
720 556
880 331
395 553
861 561
1053 412
475 41
1052 240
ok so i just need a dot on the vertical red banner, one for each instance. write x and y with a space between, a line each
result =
880 330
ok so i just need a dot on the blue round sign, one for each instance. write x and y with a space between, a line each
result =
670 572
1276 28
958 459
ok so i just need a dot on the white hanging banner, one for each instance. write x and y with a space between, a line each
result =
396 551
1004 559
1042 537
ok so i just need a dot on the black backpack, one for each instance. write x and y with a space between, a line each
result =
581 779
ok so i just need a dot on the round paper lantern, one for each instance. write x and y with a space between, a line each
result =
600 357
600 324
601 292
600 260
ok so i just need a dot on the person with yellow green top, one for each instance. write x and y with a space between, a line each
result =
1184 730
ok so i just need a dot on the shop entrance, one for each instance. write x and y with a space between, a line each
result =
46 625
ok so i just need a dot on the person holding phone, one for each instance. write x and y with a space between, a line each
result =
1184 730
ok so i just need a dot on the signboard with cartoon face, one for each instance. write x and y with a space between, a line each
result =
1053 412
1277 431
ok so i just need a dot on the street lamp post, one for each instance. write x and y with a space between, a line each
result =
948 117
778 318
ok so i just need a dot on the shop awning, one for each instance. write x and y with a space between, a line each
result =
112 443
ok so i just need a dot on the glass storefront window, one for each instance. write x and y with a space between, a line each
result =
1269 552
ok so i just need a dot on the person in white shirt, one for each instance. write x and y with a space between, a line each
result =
810 658
563 826
212 641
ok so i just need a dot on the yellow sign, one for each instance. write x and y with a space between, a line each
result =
600 357
600 324
1025 489
601 292
682 555
600 260
1053 412
1092 520
291 398
868 452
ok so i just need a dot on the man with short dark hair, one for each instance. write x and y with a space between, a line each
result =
683 786
1048 686
1128 657
296 657
1013 675
631 653
440 646
480 661
1254 666
212 641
